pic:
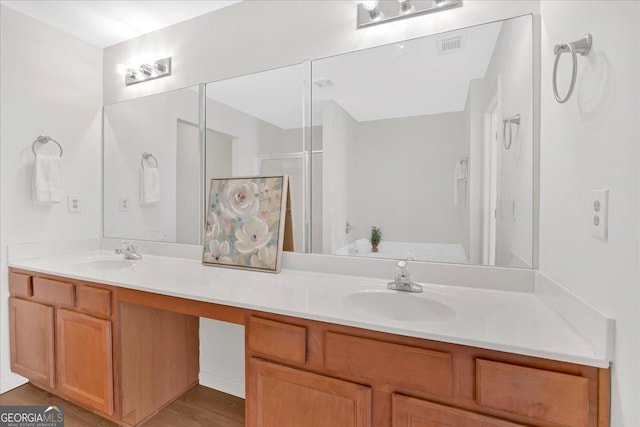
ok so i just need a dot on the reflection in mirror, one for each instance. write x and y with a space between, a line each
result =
157 197
255 127
413 142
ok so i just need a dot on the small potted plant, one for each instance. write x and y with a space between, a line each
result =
376 235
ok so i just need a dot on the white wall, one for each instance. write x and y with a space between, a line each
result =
148 124
51 84
339 132
591 142
266 35
259 35
510 74
474 122
401 179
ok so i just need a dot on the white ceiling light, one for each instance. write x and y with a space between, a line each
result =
372 12
371 6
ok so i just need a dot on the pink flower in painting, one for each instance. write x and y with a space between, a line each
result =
268 189
253 235
266 257
239 199
219 251
213 227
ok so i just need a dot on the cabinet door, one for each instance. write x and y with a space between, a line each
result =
84 359
32 340
279 396
412 412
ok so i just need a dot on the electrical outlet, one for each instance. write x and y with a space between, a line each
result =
74 204
124 204
599 213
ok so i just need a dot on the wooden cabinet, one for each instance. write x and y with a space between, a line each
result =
126 354
84 359
32 341
285 397
412 412
412 382
66 337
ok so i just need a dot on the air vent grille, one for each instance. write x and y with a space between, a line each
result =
451 43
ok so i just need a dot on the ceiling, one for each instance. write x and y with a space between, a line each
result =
105 23
407 79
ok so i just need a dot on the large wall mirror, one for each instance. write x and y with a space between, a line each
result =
152 181
430 139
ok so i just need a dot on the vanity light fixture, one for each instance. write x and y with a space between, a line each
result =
373 12
406 7
371 6
146 72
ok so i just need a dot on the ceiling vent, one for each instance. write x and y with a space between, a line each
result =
452 43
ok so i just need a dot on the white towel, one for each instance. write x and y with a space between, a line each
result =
460 175
47 180
150 186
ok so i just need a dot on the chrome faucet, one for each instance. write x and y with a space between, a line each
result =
129 250
402 281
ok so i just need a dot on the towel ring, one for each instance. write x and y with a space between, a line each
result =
582 46
513 120
147 156
43 139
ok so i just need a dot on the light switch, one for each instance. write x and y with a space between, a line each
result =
73 204
599 213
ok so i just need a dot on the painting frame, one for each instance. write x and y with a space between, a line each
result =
245 222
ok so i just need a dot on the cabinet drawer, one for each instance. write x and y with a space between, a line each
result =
53 291
20 285
94 300
411 412
403 366
544 395
276 339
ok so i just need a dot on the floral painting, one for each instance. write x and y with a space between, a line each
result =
245 222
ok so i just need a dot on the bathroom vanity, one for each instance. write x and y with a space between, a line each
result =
123 342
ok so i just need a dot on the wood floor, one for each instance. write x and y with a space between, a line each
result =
200 407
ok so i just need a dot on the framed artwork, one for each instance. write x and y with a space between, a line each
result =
246 222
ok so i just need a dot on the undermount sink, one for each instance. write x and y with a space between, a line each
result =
402 306
106 264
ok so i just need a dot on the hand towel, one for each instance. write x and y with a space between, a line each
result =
150 186
460 175
47 180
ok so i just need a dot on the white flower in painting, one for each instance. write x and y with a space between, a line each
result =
266 257
239 199
219 251
213 226
253 235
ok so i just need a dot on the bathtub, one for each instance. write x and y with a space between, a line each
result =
435 252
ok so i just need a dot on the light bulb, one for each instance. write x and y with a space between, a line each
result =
370 5
406 7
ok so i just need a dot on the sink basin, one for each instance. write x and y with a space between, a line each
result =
402 306
106 264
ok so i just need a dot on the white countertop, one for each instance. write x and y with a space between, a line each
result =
513 322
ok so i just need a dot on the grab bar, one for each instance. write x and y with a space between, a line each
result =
147 156
43 139
582 46
515 119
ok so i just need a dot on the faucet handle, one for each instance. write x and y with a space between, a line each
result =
402 272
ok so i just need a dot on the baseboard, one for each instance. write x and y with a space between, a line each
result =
11 381
225 385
